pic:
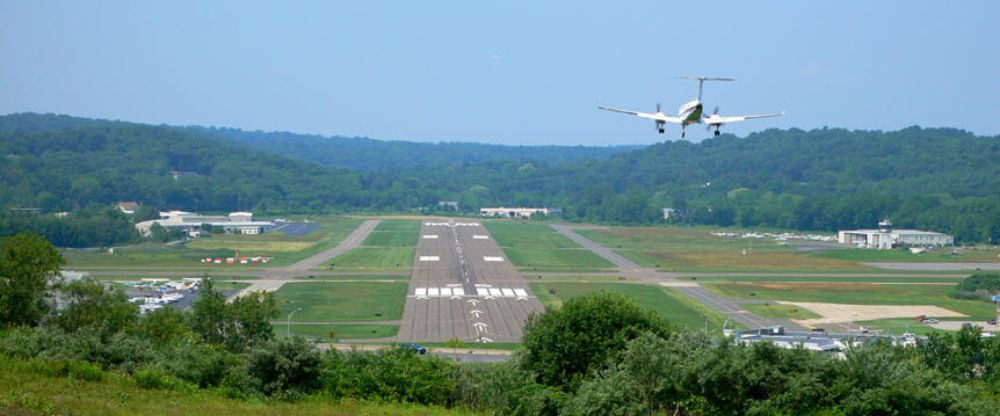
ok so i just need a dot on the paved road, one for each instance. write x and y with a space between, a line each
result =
466 355
464 287
275 278
353 240
727 307
936 266
622 263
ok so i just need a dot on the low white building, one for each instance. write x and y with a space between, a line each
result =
192 223
886 238
503 212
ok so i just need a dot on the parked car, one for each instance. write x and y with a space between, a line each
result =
931 321
410 346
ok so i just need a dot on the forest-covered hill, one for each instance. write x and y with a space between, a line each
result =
359 153
941 179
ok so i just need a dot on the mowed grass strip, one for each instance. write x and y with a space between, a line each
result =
283 250
523 234
689 249
667 302
333 332
374 259
979 254
394 233
538 247
899 326
342 301
857 294
779 311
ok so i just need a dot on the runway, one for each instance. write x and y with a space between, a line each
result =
463 287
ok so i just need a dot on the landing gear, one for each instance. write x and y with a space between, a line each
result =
716 132
682 133
661 130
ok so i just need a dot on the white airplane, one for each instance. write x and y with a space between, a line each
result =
692 112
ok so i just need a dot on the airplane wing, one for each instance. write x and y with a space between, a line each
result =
717 119
651 116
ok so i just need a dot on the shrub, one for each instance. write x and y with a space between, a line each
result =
83 370
564 345
396 375
149 378
284 365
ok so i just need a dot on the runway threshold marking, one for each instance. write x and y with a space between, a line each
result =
492 258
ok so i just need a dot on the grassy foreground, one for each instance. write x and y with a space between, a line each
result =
24 391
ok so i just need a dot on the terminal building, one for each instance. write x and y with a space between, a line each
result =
192 224
886 238
517 212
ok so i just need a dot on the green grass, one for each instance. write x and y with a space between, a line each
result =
25 391
823 279
779 311
899 326
336 332
374 259
942 255
667 302
342 301
524 234
857 294
394 233
695 249
538 247
566 260
282 249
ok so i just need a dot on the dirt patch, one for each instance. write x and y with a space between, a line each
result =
837 313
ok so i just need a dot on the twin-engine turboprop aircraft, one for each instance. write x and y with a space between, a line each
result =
692 112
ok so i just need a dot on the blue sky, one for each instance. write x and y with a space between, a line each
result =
504 72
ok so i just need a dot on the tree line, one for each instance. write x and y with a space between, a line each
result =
826 179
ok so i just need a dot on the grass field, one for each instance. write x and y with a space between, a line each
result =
335 332
899 326
374 259
394 233
537 247
857 294
282 249
981 254
24 391
690 249
389 248
779 311
342 301
667 302
791 278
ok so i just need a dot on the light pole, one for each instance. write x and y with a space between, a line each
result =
288 323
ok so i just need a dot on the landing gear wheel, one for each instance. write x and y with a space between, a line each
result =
716 132
661 130
682 134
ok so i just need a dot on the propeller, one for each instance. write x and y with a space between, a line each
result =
708 127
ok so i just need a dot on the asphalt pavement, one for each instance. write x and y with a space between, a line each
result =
464 287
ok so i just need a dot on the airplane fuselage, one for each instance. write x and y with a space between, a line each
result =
690 112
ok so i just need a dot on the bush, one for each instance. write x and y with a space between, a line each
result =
284 365
564 345
199 364
83 370
395 375
505 388
148 378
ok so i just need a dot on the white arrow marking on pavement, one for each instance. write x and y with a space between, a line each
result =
522 298
480 326
485 340
473 302
476 312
